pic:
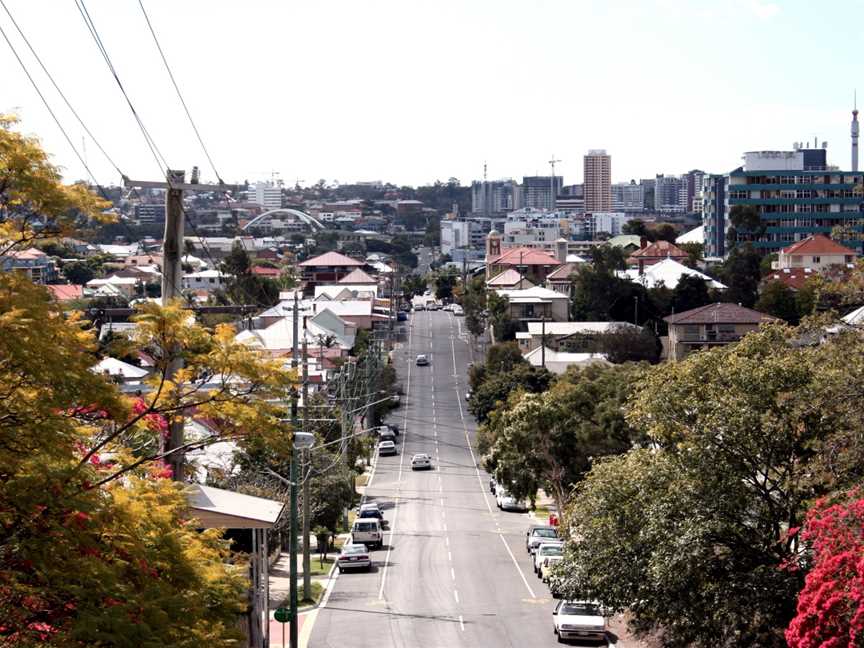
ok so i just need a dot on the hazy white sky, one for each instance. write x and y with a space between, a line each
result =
412 91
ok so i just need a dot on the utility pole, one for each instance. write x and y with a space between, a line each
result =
307 509
295 455
172 277
543 342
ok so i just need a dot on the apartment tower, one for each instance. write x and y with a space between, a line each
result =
598 181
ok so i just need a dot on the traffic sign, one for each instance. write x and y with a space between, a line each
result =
282 615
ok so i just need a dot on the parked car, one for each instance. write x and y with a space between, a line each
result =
419 307
421 461
507 502
395 399
387 448
546 566
370 510
386 434
578 620
354 556
468 395
539 535
401 316
393 427
544 550
367 531
422 360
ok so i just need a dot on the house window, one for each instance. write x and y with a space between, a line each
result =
816 259
690 332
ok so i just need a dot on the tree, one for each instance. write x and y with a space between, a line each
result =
741 273
495 389
691 534
746 223
777 299
135 569
413 285
244 287
444 283
635 227
695 253
600 295
473 304
34 202
78 272
548 440
829 611
691 292
623 344
665 232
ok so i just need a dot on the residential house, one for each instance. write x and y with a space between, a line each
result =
114 286
561 278
627 242
326 268
817 252
66 292
709 326
534 265
537 303
121 372
651 253
510 279
206 280
559 362
565 336
668 273
34 263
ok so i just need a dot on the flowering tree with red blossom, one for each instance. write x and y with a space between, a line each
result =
830 612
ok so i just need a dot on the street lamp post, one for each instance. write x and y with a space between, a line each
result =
302 441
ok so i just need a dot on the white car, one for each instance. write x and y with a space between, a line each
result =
422 360
458 311
367 531
544 550
421 461
354 556
507 502
546 567
578 620
537 535
387 448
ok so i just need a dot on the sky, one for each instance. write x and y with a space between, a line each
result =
413 91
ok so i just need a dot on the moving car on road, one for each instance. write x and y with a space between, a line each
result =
458 311
367 531
387 448
422 360
538 535
421 461
354 556
578 620
419 307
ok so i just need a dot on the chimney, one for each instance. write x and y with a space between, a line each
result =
643 242
561 250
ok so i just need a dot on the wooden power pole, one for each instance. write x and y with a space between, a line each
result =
172 277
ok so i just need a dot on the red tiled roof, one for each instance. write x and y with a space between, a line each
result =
331 259
264 271
720 313
794 278
66 292
524 256
660 250
818 244
357 277
563 273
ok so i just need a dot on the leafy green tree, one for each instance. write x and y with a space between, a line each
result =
665 232
635 227
244 287
777 299
692 534
621 345
78 272
495 389
600 295
474 303
695 253
691 292
445 282
741 273
548 440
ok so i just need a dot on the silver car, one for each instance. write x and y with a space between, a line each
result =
354 556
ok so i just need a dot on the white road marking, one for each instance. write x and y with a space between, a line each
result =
449 556
456 595
452 574
518 568
461 623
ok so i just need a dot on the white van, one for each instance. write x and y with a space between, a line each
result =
367 531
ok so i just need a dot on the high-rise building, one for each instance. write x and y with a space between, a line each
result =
714 208
668 193
540 192
494 196
628 197
693 184
598 181
648 189
266 194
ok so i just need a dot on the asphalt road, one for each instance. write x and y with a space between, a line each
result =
453 571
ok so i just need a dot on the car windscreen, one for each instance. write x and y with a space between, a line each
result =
551 551
354 549
580 609
545 533
365 526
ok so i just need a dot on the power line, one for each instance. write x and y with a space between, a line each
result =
91 27
47 105
177 88
59 91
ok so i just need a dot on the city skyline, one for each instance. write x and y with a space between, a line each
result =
342 112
